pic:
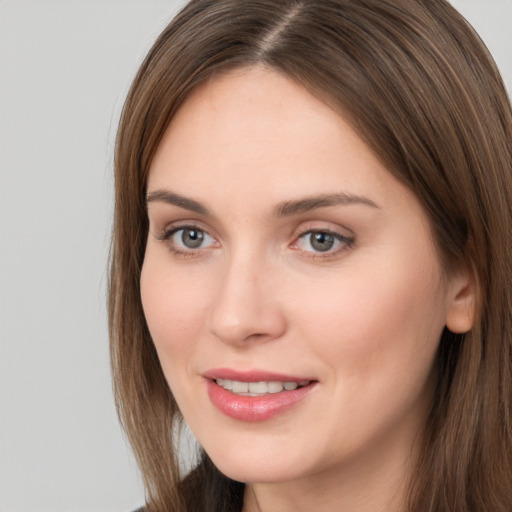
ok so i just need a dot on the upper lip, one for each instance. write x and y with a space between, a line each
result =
252 376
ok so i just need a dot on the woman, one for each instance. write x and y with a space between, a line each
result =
310 260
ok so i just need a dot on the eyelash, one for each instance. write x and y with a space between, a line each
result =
170 231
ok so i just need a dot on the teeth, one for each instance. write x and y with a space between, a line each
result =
226 384
274 387
259 388
240 387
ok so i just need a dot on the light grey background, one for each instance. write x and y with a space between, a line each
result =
65 66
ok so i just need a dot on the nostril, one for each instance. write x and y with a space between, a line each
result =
256 336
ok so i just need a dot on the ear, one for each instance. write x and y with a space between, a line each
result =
461 305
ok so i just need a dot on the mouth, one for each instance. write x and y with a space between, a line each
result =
256 395
260 388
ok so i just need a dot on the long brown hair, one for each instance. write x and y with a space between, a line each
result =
420 88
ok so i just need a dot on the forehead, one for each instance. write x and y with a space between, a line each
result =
252 123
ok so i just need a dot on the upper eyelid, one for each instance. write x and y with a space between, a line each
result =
170 227
322 226
321 230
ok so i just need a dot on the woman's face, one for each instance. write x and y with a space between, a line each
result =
281 253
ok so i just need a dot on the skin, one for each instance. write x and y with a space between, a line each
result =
364 319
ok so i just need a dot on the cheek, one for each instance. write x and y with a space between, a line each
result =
377 336
174 305
377 324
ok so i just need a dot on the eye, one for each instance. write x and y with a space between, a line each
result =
322 242
191 238
186 239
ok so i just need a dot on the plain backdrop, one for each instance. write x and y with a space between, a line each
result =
65 66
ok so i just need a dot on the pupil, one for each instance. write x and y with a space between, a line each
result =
192 238
322 241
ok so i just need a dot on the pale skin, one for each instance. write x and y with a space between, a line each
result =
361 309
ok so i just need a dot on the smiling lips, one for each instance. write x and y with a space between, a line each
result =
255 396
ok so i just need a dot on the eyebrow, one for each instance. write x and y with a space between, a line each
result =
284 209
320 201
166 196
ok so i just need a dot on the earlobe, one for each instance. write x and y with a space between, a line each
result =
461 307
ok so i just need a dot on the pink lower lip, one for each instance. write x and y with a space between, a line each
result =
255 408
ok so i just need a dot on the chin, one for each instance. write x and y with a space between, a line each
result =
255 475
254 468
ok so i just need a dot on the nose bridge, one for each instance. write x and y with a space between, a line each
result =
246 306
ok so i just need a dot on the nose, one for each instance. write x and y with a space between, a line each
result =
247 305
